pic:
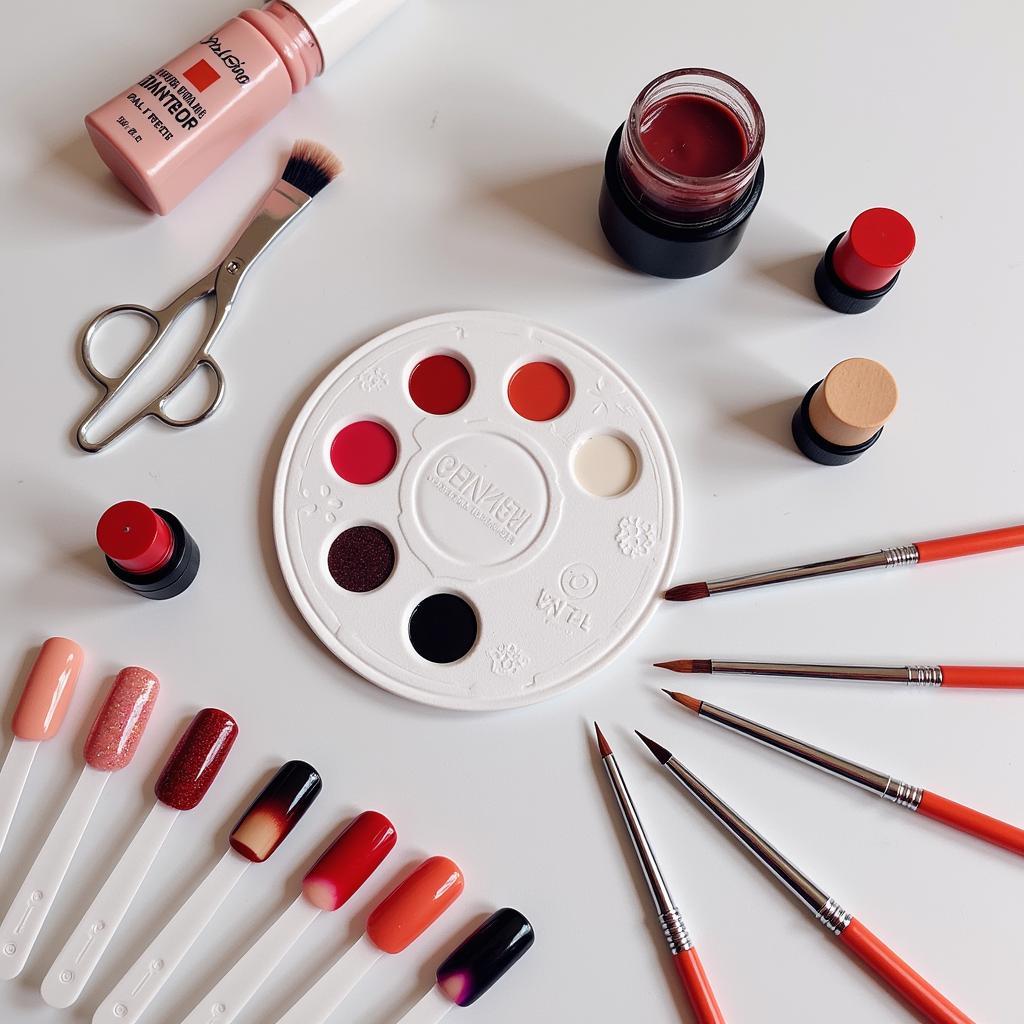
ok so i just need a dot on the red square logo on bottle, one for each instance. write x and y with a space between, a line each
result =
201 75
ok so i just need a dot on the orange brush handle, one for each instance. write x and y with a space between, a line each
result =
992 830
970 544
698 988
929 1001
983 677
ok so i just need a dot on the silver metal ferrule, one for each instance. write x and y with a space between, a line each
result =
676 934
873 560
791 876
903 794
842 768
905 554
833 917
924 675
668 914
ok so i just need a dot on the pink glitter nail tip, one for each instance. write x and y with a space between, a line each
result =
115 734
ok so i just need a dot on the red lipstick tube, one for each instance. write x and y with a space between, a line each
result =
683 174
861 267
148 549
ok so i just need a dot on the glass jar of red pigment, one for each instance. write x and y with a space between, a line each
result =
683 174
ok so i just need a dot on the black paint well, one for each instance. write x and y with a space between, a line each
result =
443 628
361 559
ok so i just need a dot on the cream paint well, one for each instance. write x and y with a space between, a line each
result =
605 466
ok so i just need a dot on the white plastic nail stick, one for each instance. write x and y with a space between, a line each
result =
428 1010
26 915
227 998
75 963
332 988
137 989
13 776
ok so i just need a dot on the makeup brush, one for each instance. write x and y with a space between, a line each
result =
969 677
907 554
688 965
876 956
903 794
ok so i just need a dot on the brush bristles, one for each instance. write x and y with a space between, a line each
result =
655 748
687 665
691 703
602 744
688 592
311 167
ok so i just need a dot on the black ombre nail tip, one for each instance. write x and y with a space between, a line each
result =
476 964
276 811
443 628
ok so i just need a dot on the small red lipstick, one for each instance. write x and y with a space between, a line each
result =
860 267
147 549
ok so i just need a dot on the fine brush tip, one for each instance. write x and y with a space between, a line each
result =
602 744
311 167
688 592
655 748
686 700
690 666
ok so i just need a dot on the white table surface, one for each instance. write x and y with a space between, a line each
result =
472 135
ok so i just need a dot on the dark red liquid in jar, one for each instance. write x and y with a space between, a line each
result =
693 135
691 146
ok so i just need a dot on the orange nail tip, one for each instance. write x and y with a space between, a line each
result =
414 905
48 690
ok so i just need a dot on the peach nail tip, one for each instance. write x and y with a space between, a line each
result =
48 690
118 728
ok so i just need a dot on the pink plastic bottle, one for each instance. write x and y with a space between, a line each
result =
162 136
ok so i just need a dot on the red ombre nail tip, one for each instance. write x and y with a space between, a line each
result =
414 905
118 728
860 267
197 759
349 861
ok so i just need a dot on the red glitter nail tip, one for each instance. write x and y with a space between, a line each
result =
349 861
115 734
197 759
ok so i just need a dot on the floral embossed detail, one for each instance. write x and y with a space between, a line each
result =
507 659
635 537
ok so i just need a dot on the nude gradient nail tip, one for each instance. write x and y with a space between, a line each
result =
349 861
117 730
479 961
276 811
197 759
48 690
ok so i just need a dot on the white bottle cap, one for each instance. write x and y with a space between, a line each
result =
337 25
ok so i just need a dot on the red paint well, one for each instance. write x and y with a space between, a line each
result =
694 136
363 452
137 538
439 384
871 253
539 391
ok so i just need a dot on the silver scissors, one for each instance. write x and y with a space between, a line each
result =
221 284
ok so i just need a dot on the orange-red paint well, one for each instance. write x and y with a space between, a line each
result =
539 391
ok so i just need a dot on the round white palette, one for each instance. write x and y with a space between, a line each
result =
558 534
